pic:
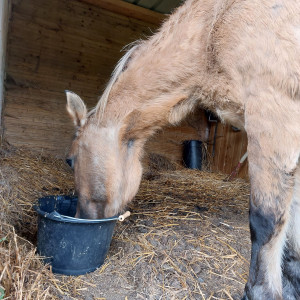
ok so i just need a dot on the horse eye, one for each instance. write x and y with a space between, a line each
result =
130 143
70 162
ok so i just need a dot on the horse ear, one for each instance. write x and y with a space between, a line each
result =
76 108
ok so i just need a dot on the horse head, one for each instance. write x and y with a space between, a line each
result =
106 162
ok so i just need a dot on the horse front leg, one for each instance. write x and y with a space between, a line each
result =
272 163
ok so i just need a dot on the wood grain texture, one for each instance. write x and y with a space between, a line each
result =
4 16
169 142
60 44
126 9
228 149
53 46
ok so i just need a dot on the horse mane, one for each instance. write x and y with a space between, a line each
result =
120 67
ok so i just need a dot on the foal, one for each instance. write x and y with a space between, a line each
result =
239 59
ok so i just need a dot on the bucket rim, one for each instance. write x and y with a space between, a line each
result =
55 216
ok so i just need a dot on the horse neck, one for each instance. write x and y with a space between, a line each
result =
168 75
161 74
146 103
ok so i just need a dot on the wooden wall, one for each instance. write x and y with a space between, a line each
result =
169 142
226 147
62 44
56 45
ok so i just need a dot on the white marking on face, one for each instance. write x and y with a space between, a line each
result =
111 132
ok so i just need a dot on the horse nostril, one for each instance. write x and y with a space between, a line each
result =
69 162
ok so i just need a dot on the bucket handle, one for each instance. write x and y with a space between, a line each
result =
124 216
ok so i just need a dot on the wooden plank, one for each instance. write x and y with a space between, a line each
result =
4 15
210 143
244 169
40 136
54 148
47 54
129 10
38 119
219 144
239 140
238 149
93 25
230 147
236 141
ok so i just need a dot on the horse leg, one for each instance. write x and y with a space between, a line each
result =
269 217
273 157
291 259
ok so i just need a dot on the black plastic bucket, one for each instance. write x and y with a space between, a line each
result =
71 246
192 154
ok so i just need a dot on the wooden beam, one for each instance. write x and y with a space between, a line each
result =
129 10
4 16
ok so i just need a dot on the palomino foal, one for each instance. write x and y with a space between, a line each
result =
238 58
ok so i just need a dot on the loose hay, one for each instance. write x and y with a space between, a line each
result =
23 276
187 238
24 177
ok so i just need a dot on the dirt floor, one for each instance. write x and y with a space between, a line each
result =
187 237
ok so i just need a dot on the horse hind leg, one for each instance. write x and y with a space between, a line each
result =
273 158
269 219
291 259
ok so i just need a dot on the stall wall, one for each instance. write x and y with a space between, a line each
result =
54 46
226 147
59 45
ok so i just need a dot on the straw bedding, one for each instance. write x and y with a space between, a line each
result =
187 238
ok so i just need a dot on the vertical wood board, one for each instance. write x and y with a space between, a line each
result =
228 148
4 16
